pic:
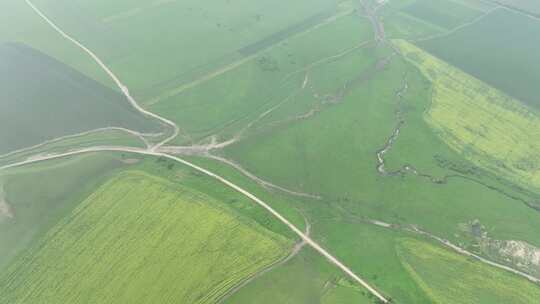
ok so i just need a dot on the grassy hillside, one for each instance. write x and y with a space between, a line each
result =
449 278
155 241
43 98
491 129
499 50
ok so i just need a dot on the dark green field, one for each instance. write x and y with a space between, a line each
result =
502 49
51 100
443 13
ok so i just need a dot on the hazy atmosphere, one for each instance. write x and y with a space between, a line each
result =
270 151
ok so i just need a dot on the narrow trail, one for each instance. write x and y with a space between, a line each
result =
152 151
141 136
117 81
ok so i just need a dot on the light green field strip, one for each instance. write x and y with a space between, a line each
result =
489 128
141 239
447 277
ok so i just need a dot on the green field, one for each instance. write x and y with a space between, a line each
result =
366 138
512 68
526 6
449 278
39 90
491 129
314 281
22 25
230 101
120 32
40 195
443 13
155 241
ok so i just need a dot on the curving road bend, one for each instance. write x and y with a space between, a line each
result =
116 80
154 151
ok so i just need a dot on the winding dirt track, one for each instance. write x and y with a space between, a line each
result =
117 81
153 151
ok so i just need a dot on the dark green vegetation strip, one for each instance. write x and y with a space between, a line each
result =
281 35
42 98
502 49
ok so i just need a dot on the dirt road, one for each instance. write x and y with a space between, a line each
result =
116 80
229 184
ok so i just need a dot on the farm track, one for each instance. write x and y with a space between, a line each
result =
153 151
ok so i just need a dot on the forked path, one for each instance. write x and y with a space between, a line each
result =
153 151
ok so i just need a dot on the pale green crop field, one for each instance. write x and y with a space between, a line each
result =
140 239
489 128
447 277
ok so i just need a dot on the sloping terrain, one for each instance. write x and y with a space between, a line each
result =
52 100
